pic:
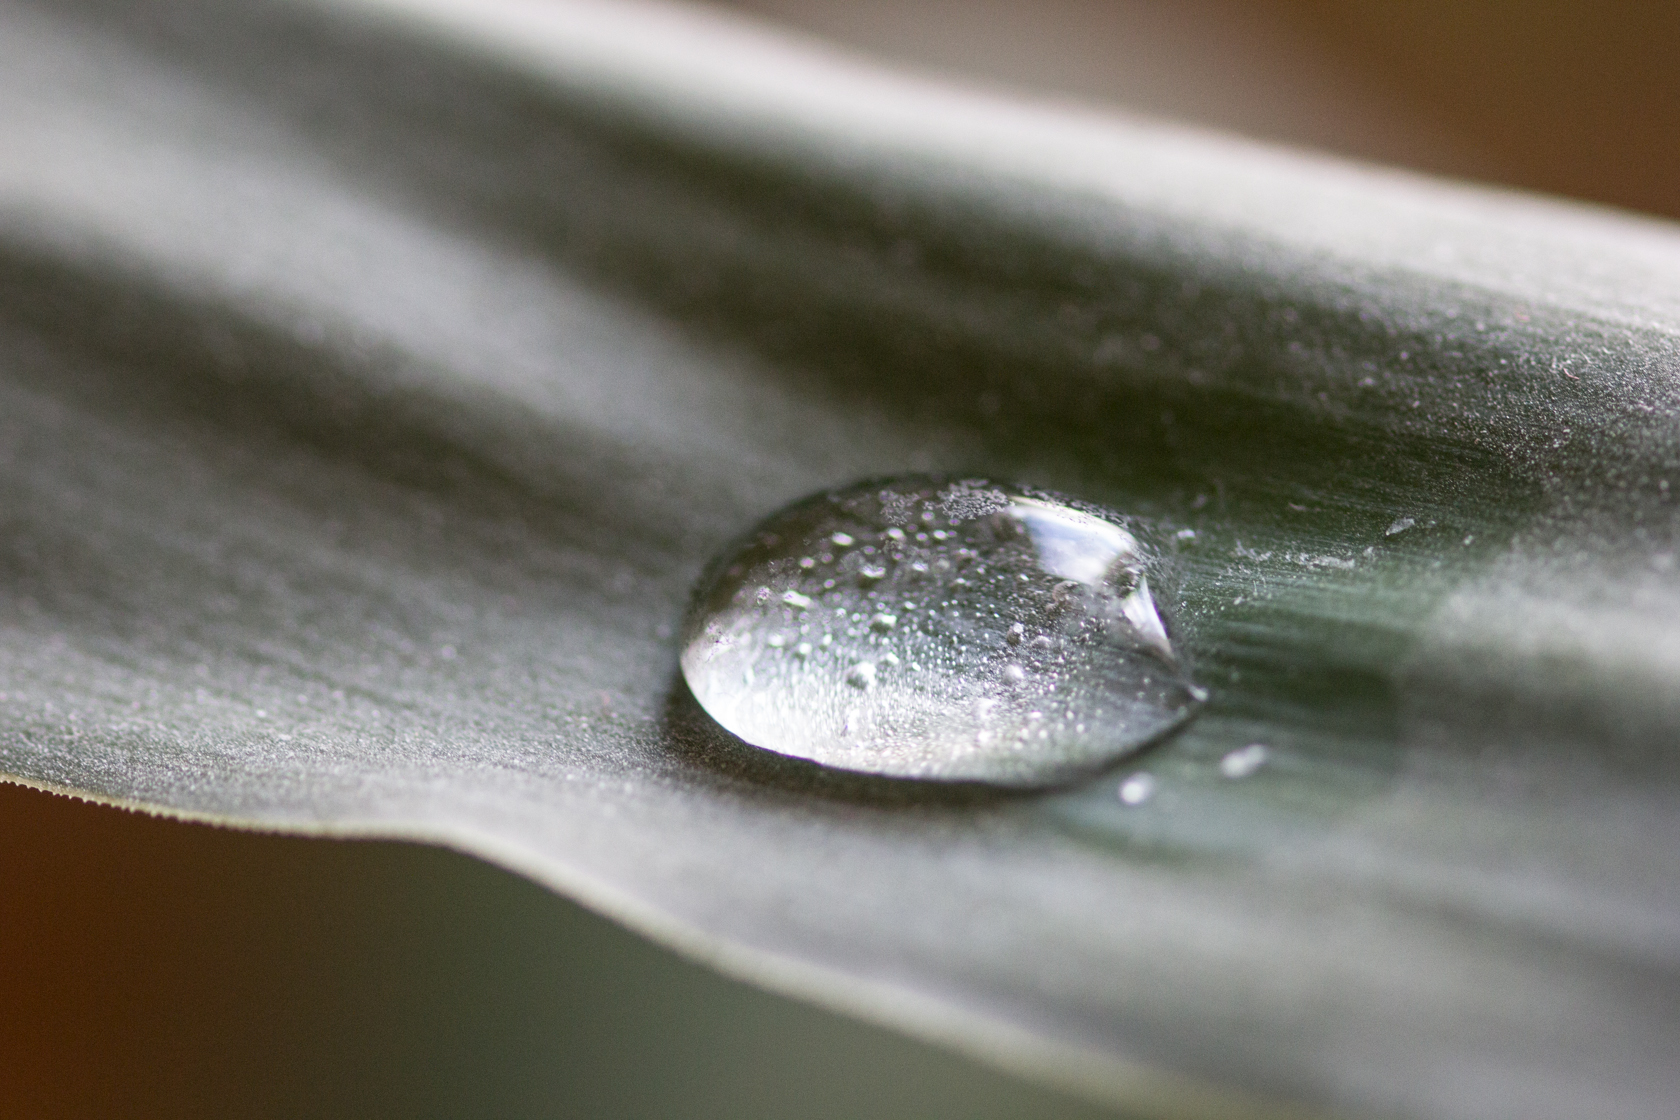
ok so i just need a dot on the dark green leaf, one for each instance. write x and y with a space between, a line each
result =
376 379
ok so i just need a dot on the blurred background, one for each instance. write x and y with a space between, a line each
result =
151 968
1562 96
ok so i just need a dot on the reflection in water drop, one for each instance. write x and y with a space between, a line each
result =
950 630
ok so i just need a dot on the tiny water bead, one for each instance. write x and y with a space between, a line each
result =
1137 788
922 627
1243 761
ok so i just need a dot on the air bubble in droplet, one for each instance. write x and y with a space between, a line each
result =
1101 675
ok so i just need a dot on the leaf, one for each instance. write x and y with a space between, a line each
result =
378 377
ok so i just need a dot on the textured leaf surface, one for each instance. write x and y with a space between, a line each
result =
375 380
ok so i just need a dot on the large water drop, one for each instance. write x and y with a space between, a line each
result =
952 630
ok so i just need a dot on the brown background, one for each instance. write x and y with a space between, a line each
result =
1573 98
150 968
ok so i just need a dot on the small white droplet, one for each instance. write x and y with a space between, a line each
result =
1401 524
797 601
1243 761
1015 633
842 540
802 650
895 534
869 573
775 641
1137 789
1014 674
883 622
862 675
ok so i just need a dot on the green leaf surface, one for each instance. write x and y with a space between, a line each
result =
377 378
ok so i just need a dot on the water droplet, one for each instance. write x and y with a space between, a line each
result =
979 701
1243 761
1400 525
1137 789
